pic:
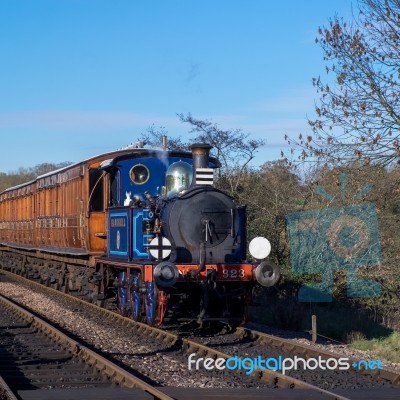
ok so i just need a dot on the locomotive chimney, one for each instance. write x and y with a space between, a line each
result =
164 142
202 175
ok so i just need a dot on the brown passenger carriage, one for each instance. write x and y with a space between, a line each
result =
57 220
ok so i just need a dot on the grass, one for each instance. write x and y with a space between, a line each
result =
335 320
387 347
338 320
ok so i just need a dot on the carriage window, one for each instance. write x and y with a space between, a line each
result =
96 190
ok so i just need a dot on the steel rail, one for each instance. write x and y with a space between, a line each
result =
116 373
308 351
5 391
272 377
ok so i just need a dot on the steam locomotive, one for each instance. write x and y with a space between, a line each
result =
142 230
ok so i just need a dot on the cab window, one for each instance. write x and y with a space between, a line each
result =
114 197
96 190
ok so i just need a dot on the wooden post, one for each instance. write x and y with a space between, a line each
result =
313 328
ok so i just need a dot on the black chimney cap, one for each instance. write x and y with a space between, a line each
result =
201 146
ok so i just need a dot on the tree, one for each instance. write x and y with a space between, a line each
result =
23 175
153 138
232 147
270 192
358 116
366 184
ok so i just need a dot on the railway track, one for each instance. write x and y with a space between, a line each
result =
262 379
361 374
286 346
35 355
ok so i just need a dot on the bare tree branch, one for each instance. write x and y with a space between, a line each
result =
358 117
232 147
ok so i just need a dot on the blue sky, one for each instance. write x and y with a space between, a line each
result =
82 77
